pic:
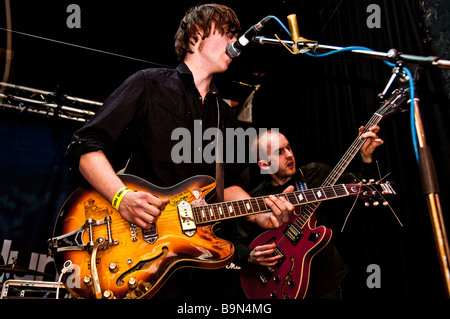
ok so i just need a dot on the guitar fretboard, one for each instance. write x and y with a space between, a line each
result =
388 107
255 205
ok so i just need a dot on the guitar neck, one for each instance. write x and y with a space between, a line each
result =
313 197
388 107
351 153
226 210
339 169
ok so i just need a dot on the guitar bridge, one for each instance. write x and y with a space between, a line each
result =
150 235
186 217
266 272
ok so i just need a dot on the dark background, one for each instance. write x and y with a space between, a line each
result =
318 102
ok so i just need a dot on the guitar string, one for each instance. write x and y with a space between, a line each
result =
168 218
333 176
342 164
220 211
336 193
124 226
389 206
120 225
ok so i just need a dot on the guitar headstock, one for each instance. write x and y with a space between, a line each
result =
394 102
373 190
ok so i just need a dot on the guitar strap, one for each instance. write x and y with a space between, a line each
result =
219 182
219 161
299 184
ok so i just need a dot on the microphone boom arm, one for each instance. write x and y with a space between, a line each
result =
391 55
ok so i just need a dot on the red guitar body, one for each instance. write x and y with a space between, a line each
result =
289 279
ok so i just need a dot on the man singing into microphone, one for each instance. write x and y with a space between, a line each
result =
148 107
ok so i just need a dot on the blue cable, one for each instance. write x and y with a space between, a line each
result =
412 107
408 73
412 115
337 51
411 90
281 24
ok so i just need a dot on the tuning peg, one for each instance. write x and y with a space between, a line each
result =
376 203
385 203
366 204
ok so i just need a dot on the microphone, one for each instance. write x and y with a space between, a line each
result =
293 27
295 33
233 49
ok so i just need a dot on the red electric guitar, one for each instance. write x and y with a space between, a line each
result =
300 240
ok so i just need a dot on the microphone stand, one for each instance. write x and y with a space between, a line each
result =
426 165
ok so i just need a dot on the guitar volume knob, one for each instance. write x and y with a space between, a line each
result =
113 267
108 294
132 283
87 280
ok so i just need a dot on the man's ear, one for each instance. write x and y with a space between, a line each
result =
195 45
195 41
264 165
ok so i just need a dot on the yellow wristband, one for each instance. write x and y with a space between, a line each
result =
119 196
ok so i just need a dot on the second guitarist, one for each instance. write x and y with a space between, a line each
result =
328 268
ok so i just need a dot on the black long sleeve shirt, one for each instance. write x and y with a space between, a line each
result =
143 113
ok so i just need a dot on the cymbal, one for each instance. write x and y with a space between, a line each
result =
13 268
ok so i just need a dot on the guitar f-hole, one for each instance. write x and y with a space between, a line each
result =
288 280
144 264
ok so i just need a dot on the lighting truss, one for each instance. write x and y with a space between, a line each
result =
46 103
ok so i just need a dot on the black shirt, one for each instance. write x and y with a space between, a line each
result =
328 268
143 113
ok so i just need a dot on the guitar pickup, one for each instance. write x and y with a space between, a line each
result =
293 233
186 217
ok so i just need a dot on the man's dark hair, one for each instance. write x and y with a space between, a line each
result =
197 22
